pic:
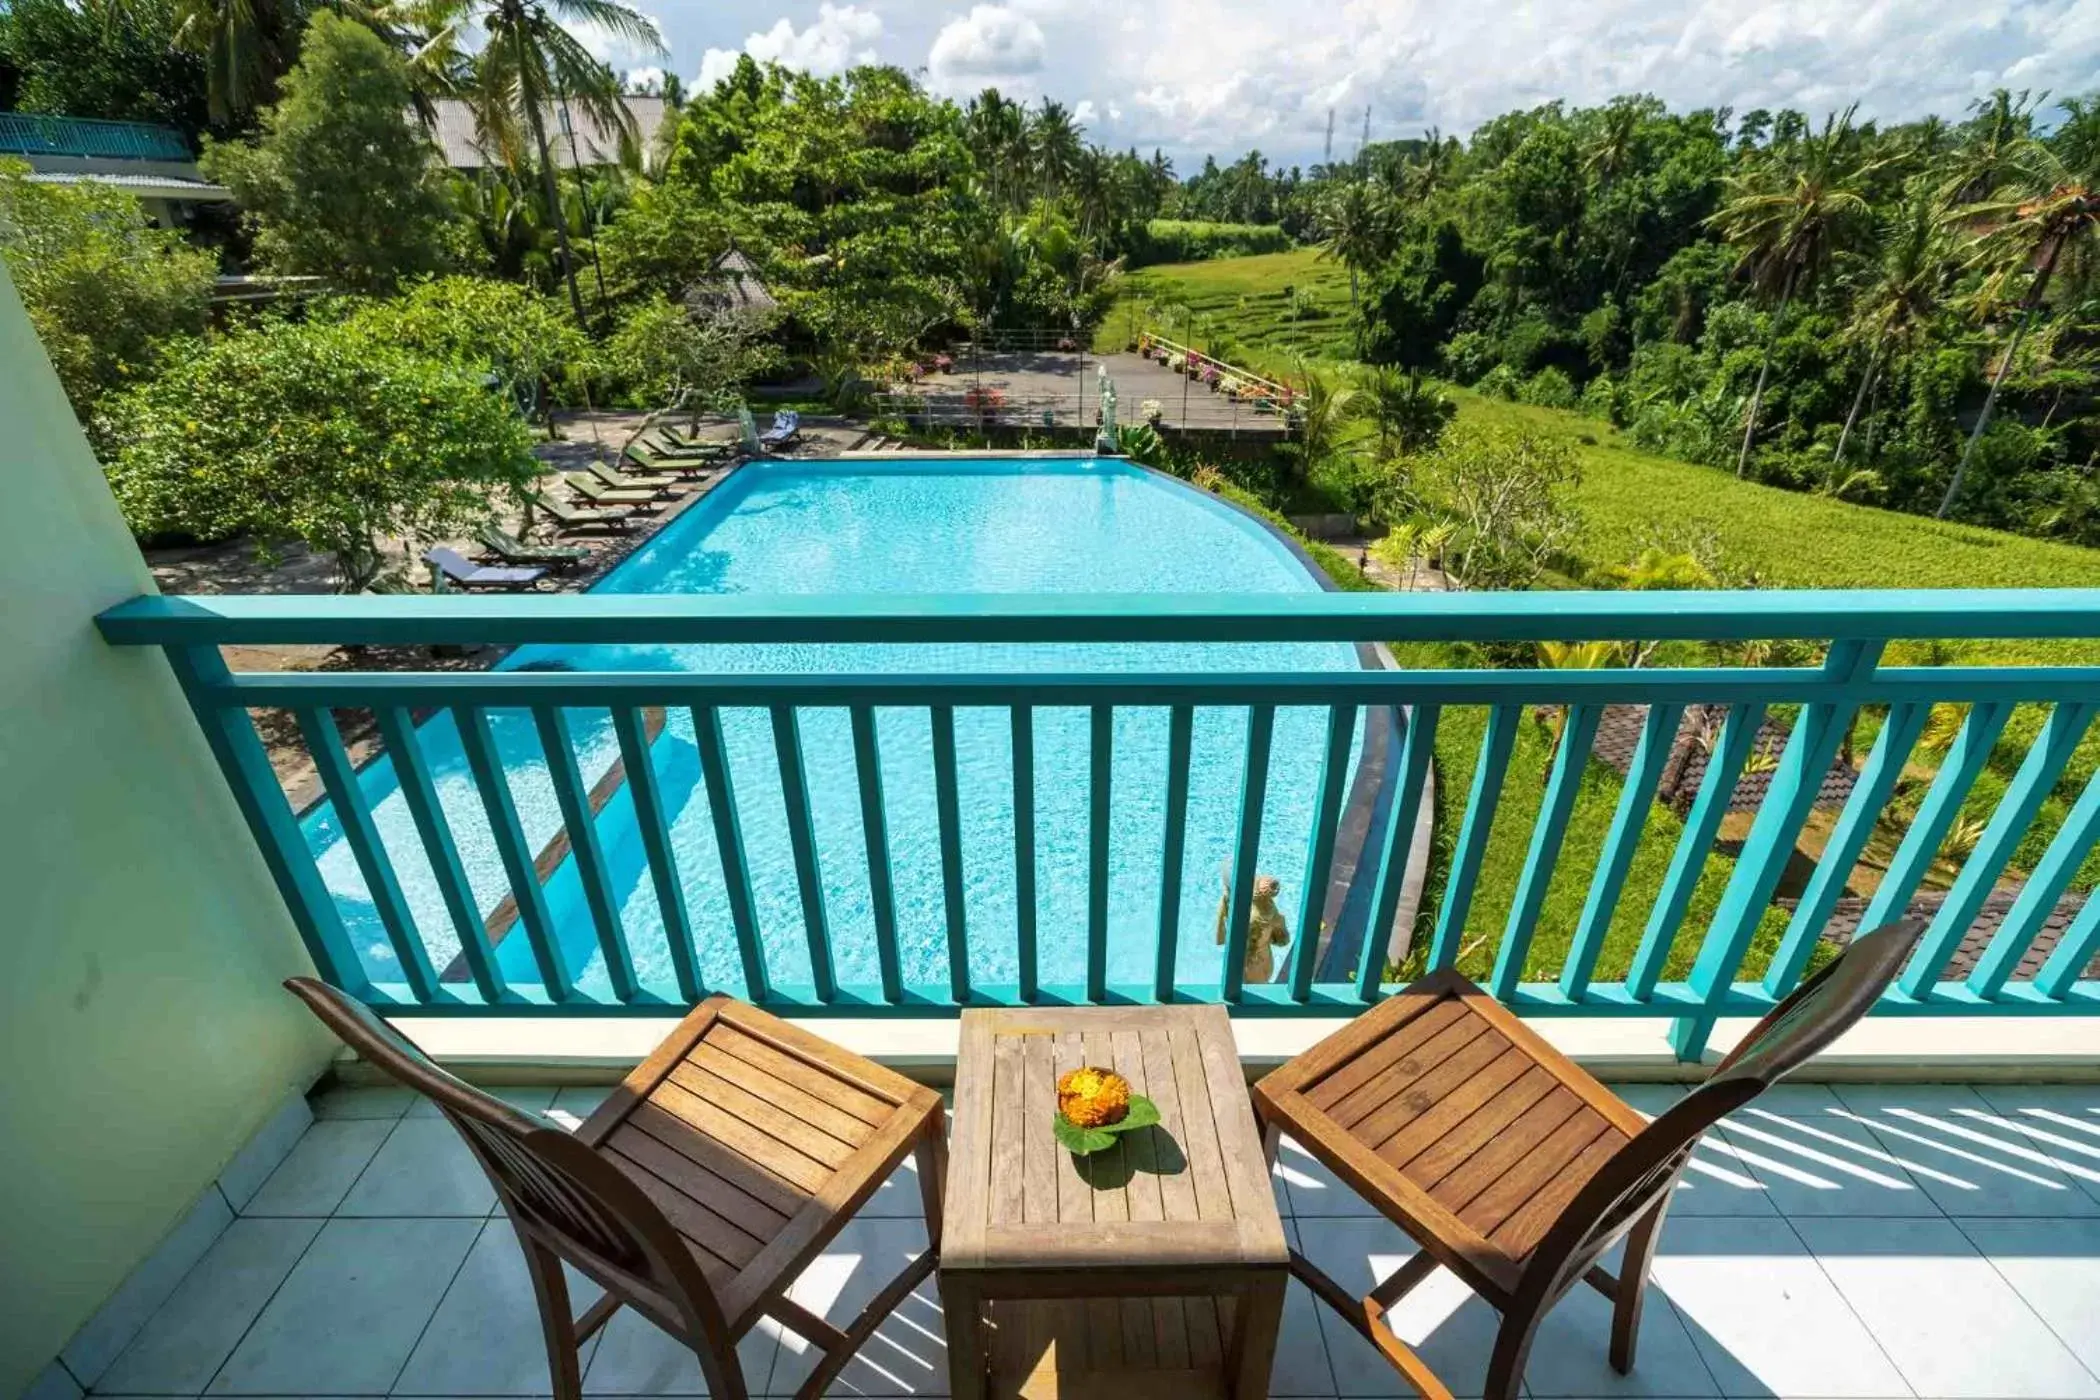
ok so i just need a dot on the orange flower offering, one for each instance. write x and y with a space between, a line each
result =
1093 1098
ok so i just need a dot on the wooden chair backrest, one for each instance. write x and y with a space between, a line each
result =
1805 1022
557 1191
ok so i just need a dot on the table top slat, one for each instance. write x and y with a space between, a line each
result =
1009 1150
1039 1100
1142 1149
1199 1136
1107 1172
1075 1192
1177 1189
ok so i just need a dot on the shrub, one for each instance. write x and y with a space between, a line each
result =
520 335
1196 240
661 353
102 286
1501 382
1507 491
1604 398
1549 388
314 432
342 183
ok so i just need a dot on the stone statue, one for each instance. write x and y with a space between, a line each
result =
1266 927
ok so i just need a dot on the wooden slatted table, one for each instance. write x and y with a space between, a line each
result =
1155 1268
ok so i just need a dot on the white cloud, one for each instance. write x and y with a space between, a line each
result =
990 44
644 77
611 49
1085 111
840 37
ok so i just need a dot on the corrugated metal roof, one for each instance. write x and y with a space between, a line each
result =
150 186
595 145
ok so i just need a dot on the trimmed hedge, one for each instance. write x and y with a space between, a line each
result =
1198 240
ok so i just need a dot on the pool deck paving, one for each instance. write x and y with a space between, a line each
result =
1830 1240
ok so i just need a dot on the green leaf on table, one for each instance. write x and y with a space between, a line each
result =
1080 1141
1143 1113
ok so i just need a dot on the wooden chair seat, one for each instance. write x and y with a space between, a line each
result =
700 1188
1456 1120
1507 1162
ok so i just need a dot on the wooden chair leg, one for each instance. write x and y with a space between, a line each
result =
557 1324
1633 1286
1505 1375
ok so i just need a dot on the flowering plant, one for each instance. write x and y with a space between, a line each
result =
1150 410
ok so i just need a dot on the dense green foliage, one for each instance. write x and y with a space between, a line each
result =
78 60
523 337
103 287
342 182
317 432
1192 240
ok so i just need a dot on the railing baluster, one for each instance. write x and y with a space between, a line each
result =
1796 783
482 760
1022 721
948 809
729 844
2079 946
2030 788
1319 858
1578 731
1417 752
1254 787
2073 842
1181 723
398 730
325 742
867 763
1928 829
1473 832
802 840
650 819
1877 781
579 824
1101 750
230 732
1724 769
1636 800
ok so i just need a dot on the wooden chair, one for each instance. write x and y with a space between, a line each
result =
1509 1164
702 1185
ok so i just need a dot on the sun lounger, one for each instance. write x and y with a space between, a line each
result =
599 494
512 550
633 481
568 517
650 459
786 429
453 569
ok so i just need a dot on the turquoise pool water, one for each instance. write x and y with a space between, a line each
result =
990 526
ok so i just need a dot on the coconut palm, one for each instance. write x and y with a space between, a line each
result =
530 60
1789 214
1903 295
2042 224
1356 224
1055 144
1999 128
1322 414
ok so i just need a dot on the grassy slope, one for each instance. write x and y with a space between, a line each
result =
1627 495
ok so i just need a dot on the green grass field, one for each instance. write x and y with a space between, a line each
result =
1629 498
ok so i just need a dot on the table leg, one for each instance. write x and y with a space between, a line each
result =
1257 1317
963 1314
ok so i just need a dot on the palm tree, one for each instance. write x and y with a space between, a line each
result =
246 45
531 60
1357 223
1322 413
1999 128
1054 141
1904 294
2043 221
1789 213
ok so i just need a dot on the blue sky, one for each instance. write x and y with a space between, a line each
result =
1197 76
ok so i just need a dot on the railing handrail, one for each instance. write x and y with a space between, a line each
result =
1745 615
1226 366
44 134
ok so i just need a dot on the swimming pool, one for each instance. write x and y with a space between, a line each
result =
911 526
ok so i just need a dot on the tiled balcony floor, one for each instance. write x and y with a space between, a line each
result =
1830 1242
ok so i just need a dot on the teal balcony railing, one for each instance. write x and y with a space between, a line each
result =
25 133
502 886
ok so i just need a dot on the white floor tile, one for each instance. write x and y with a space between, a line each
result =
1313 1190
1571 1354
2079 1102
265 1152
1797 1100
351 1312
899 1196
54 1382
1979 1164
1948 1320
1649 1099
2055 1266
1872 1099
363 1101
530 1098
1442 1318
1720 1181
908 1355
103 1337
1301 1348
573 1103
636 1357
317 1173
485 1337
1764 1315
1825 1166
423 1169
182 1347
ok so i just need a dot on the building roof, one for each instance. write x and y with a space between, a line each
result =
144 186
732 284
594 145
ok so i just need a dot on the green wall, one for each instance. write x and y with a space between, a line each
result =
144 1035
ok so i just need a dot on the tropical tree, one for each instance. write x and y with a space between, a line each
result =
246 45
1788 214
1410 415
1903 294
1055 144
1356 228
2042 223
1321 415
531 59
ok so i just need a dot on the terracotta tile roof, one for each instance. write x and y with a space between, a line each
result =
1845 920
1620 730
